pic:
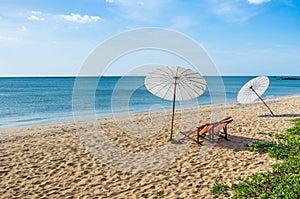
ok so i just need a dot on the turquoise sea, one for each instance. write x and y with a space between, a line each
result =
37 100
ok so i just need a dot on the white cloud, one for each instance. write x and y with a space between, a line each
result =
9 39
36 12
110 1
77 18
258 1
232 11
35 18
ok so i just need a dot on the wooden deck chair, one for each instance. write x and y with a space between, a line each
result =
220 128
195 135
209 128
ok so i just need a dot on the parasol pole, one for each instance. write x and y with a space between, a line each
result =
174 98
262 100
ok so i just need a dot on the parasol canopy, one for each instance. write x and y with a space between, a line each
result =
176 84
253 90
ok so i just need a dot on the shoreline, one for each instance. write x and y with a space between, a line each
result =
120 115
58 160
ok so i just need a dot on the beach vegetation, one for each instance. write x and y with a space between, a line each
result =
220 189
261 147
283 180
270 134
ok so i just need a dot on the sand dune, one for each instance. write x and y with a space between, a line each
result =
131 157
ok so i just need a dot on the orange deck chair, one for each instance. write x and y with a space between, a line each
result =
211 129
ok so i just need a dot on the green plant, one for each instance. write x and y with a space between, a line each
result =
284 179
289 166
220 189
270 134
261 147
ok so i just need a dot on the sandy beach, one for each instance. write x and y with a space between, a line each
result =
70 160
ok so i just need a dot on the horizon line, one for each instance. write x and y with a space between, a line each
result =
74 76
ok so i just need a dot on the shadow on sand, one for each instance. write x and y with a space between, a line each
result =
237 143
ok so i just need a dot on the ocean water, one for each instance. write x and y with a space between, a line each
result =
37 100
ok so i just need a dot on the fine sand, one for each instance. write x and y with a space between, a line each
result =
131 156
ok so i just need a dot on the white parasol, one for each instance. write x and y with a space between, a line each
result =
253 90
175 83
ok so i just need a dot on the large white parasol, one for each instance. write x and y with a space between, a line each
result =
253 90
175 83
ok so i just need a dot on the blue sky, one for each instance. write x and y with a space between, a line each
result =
242 37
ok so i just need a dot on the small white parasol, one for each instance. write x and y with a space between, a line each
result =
175 83
253 90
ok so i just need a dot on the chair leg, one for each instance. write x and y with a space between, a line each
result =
225 136
211 134
188 134
198 137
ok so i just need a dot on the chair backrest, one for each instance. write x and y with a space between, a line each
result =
216 126
220 125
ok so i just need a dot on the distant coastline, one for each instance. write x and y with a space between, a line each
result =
290 78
